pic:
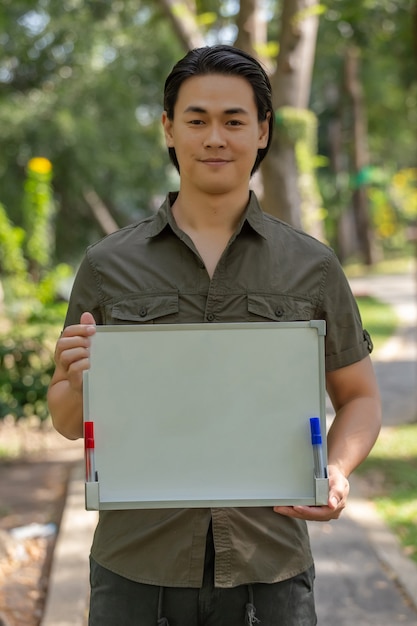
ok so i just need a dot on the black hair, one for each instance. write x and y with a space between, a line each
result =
222 59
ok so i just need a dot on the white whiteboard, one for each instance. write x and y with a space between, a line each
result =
205 414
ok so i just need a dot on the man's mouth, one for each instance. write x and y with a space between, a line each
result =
214 161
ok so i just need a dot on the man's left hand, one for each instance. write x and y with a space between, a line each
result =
338 493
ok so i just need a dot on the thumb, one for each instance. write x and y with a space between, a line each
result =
88 319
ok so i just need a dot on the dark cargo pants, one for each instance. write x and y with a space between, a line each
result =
117 601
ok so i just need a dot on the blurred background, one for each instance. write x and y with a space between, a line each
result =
82 151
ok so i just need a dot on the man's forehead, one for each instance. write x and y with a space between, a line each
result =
233 93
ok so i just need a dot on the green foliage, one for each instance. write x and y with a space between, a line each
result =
12 261
393 202
403 193
309 11
383 32
38 206
298 125
29 281
81 84
48 288
26 367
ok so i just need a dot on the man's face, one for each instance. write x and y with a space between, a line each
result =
215 133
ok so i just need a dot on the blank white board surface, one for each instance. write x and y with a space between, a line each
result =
205 414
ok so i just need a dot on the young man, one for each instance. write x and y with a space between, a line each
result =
211 255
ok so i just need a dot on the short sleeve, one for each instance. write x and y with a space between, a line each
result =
346 340
85 294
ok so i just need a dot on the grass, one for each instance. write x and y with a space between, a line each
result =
378 318
391 265
392 469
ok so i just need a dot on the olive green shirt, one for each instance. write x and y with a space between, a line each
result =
151 272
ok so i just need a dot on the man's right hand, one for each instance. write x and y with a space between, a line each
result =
72 353
72 358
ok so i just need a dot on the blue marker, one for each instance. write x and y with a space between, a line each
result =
317 443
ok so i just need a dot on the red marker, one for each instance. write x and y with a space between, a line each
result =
90 466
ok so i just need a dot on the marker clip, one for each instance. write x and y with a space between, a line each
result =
317 443
89 448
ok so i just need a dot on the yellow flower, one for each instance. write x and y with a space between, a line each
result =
40 165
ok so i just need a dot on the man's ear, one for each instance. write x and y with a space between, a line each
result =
167 125
264 131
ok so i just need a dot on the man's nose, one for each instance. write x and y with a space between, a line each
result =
215 137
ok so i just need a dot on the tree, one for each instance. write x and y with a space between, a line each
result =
81 85
365 121
359 154
291 83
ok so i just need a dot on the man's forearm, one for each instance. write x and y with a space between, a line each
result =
66 408
353 433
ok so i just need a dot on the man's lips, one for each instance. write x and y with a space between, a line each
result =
214 161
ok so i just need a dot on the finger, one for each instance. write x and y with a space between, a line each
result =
85 328
70 348
334 502
78 330
87 318
73 364
338 495
310 513
75 357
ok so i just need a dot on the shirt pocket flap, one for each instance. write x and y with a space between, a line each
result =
280 308
142 309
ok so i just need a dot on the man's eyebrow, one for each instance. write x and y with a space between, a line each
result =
194 109
233 111
237 111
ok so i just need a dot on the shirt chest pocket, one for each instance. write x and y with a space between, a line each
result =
279 308
148 309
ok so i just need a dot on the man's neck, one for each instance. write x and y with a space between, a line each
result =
209 212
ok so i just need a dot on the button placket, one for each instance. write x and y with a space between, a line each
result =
223 543
212 297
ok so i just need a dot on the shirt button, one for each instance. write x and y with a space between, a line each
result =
210 317
279 312
143 311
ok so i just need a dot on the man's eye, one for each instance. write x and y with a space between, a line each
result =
196 122
235 123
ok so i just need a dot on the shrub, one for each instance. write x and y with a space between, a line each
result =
26 367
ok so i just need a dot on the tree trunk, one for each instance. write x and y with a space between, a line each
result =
291 81
100 211
414 27
281 194
291 84
252 29
360 158
182 16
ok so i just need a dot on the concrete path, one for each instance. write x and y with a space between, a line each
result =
363 577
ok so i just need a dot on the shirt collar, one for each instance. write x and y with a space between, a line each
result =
253 215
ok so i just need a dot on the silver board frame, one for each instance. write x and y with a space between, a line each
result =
205 415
